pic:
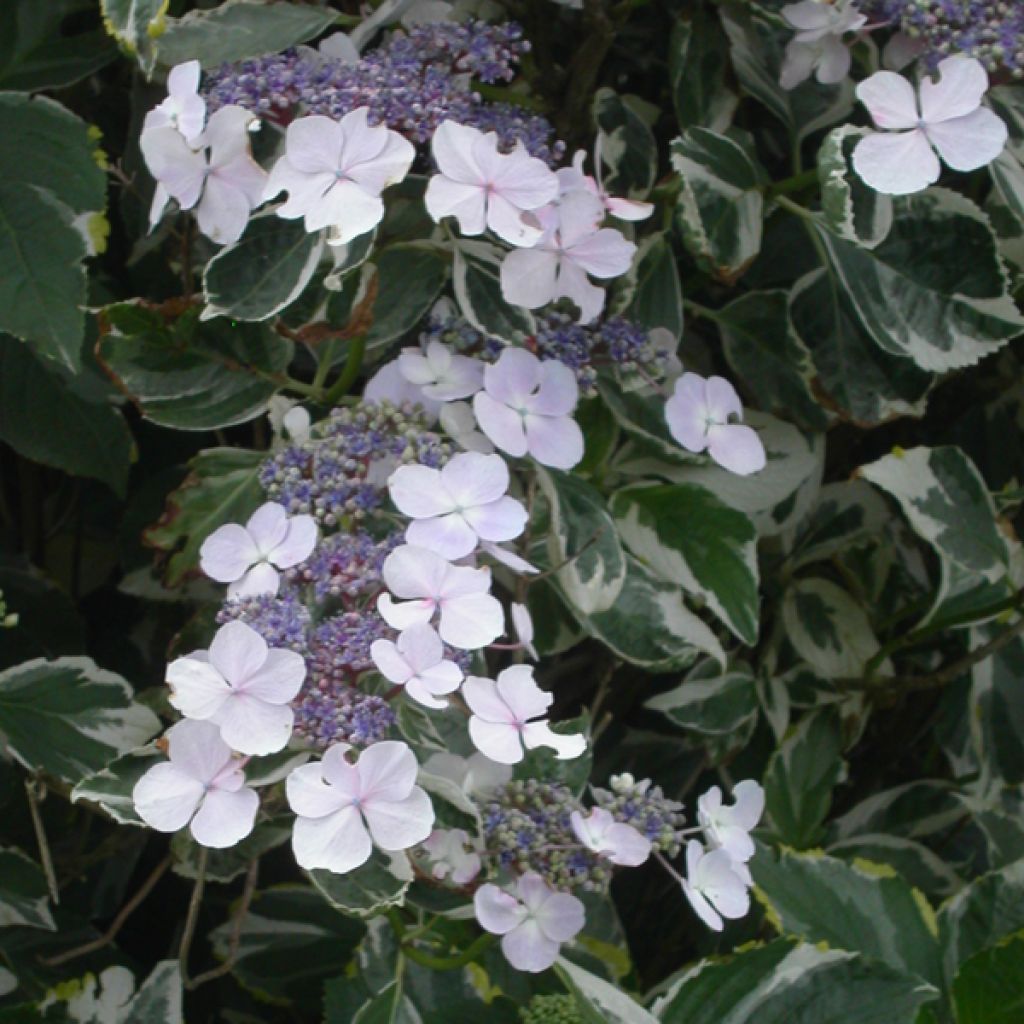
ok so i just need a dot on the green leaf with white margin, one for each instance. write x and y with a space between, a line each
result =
239 29
914 861
477 286
291 942
626 145
159 999
583 542
111 787
698 64
935 291
720 209
948 505
981 914
1007 169
847 513
854 377
916 810
709 703
687 536
221 487
850 208
650 626
642 416
865 908
597 1001
458 810
829 630
989 988
389 1006
263 272
657 296
24 898
365 892
788 983
410 276
134 23
68 718
996 706
766 353
42 280
801 776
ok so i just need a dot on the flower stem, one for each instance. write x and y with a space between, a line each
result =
349 372
451 963
192 917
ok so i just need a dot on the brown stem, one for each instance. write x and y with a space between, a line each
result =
192 917
34 790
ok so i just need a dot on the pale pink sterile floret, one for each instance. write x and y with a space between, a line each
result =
818 47
469 617
620 843
508 716
452 855
944 116
441 374
389 384
522 623
459 505
715 885
483 188
417 662
343 808
700 417
242 686
459 423
476 775
183 109
532 924
202 785
526 408
729 827
572 246
219 178
574 177
335 171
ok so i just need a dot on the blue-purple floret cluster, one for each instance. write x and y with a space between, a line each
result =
647 809
992 31
411 83
345 566
282 620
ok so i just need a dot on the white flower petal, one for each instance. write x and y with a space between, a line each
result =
338 842
252 726
471 621
237 651
961 84
197 689
497 911
527 948
166 797
896 164
400 824
969 142
225 819
227 553
890 100
502 425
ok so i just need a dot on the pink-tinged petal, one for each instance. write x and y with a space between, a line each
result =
450 536
485 701
340 772
525 181
166 797
520 693
389 385
558 391
338 842
969 142
798 61
561 917
160 200
416 368
420 647
507 558
225 819
527 948
304 190
522 623
528 278
417 492
389 662
540 734
417 691
834 62
467 869
223 211
347 210
808 15
466 203
252 726
387 772
555 441
462 377
363 142
397 825
497 911
721 400
227 553
579 214
722 885
686 413
508 222
605 253
262 578
890 100
197 749
737 448
237 652
514 377
626 846
704 909
403 614
628 209
444 677
388 167
533 891
471 621
504 519
411 572
313 144
474 479
961 84
175 165
502 425
298 544
267 527
499 742
243 175
279 678
227 134
309 796
183 79
749 807
197 689
574 284
452 147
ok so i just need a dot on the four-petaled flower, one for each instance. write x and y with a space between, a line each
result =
574 177
417 662
619 842
248 557
440 373
533 924
427 584
715 884
729 827
949 118
698 416
456 507
242 686
334 173
202 783
526 408
447 849
343 808
508 716
184 109
482 188
818 45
